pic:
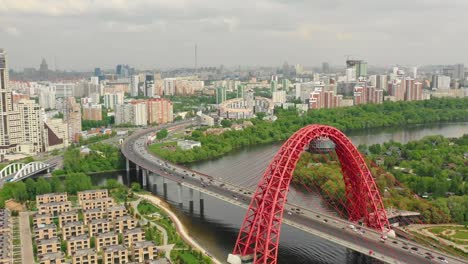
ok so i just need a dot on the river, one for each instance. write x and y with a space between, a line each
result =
217 227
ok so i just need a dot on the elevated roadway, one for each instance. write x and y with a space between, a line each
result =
336 230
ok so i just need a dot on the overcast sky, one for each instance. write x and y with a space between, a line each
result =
83 34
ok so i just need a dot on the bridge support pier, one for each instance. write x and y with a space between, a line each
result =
155 188
191 201
127 165
137 169
202 204
179 195
144 178
164 188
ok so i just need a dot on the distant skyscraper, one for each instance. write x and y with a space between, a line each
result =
359 66
325 67
73 117
135 81
43 69
286 70
459 71
10 123
32 126
220 95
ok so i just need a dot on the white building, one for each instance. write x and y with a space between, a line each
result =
63 89
169 86
32 126
443 82
47 98
134 82
112 99
188 144
132 114
279 97
55 134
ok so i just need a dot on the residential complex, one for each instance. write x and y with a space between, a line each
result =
107 234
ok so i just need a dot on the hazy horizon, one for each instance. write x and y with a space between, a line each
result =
146 34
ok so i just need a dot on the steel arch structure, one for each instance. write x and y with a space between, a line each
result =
20 170
260 231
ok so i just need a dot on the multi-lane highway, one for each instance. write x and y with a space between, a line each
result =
362 239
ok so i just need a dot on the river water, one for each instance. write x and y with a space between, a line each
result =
217 226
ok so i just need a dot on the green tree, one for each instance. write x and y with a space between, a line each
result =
226 123
161 134
31 188
75 182
42 186
136 187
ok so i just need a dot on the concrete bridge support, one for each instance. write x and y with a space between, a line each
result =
164 188
191 200
179 194
202 204
155 188
144 177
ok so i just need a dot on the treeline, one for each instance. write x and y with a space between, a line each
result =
346 119
102 157
433 165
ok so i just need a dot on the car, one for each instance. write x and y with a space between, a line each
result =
405 247
289 213
325 220
414 248
382 240
318 216
394 242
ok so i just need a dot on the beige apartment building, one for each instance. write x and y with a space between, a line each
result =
117 254
45 246
85 256
51 198
73 117
144 250
67 217
92 112
71 229
92 214
106 239
45 231
123 223
32 126
99 226
43 219
92 195
102 203
52 258
131 236
76 243
54 208
116 211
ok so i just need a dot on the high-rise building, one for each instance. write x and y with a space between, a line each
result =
325 67
442 82
279 97
359 66
32 126
47 97
135 81
43 69
169 86
220 95
10 122
274 85
459 71
381 82
73 117
55 134
160 111
285 84
112 99
240 90
135 113
92 112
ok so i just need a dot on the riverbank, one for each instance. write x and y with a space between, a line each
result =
181 229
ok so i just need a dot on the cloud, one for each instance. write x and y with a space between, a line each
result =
13 31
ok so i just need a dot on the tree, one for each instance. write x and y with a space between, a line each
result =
75 182
226 123
56 184
43 186
136 187
161 134
31 188
113 184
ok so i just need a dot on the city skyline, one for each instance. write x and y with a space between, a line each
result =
80 35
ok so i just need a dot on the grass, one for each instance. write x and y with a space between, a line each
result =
189 257
146 208
461 234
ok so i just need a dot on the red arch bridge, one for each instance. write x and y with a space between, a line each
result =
259 235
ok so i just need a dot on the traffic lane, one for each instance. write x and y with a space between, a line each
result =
362 241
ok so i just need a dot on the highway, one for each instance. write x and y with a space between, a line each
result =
365 240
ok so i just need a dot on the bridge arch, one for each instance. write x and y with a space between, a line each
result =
10 169
260 232
31 167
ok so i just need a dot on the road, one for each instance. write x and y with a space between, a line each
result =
326 226
27 255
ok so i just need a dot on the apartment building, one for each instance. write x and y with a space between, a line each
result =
92 112
115 254
102 203
45 246
130 236
92 214
6 255
116 211
6 225
51 198
54 208
123 223
67 217
99 226
144 250
71 229
106 239
32 126
76 243
43 219
92 195
45 231
85 256
52 258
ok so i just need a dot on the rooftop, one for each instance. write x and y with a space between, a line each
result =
48 241
115 248
133 231
74 223
84 252
106 234
143 244
51 256
78 238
